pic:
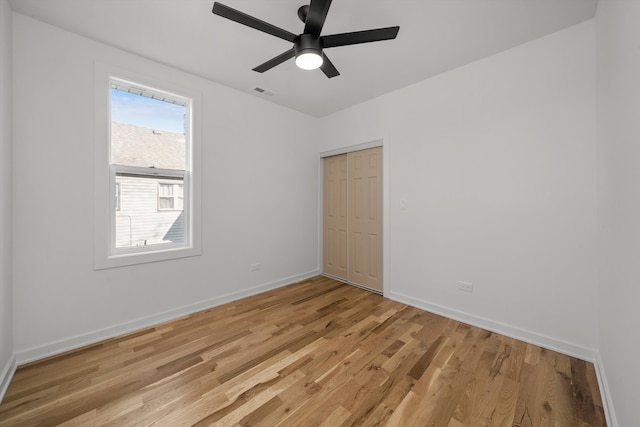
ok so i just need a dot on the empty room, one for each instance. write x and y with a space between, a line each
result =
337 213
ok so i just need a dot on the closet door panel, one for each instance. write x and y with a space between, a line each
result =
335 255
365 218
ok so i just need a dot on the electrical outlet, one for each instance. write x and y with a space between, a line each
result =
256 266
465 286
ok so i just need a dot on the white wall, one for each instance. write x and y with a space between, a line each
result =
259 185
496 163
6 298
618 60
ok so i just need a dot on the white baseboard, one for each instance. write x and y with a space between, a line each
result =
72 343
607 404
570 349
6 376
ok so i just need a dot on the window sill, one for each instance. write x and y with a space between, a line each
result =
134 258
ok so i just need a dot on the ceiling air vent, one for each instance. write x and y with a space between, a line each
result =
263 91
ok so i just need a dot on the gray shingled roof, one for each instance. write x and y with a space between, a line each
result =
139 146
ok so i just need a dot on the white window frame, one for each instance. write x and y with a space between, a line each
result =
106 255
117 196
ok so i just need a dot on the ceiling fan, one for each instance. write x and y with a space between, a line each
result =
308 46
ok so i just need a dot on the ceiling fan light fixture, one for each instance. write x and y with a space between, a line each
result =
308 51
309 60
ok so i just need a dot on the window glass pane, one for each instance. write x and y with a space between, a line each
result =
141 220
165 203
147 132
165 190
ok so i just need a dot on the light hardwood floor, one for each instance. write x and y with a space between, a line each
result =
314 353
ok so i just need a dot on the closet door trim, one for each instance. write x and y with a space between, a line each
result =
352 148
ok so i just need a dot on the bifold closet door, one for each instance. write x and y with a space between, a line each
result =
335 216
365 218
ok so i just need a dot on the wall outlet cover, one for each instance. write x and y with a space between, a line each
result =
465 286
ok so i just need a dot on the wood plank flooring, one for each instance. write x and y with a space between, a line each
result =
316 353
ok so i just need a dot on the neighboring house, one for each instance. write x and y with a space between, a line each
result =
148 207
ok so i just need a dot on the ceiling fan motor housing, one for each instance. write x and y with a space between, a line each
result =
307 43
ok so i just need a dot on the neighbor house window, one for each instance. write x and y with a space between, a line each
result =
117 196
151 212
170 196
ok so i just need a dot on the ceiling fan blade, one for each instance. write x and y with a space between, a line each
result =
275 61
244 19
316 16
357 37
328 68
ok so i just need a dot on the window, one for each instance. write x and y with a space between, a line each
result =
149 212
148 145
170 196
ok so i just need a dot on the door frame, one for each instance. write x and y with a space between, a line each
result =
385 204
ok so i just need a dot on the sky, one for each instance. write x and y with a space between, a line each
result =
143 111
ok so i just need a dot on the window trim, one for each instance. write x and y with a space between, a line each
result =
105 253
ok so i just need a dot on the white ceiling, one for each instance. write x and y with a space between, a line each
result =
435 36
